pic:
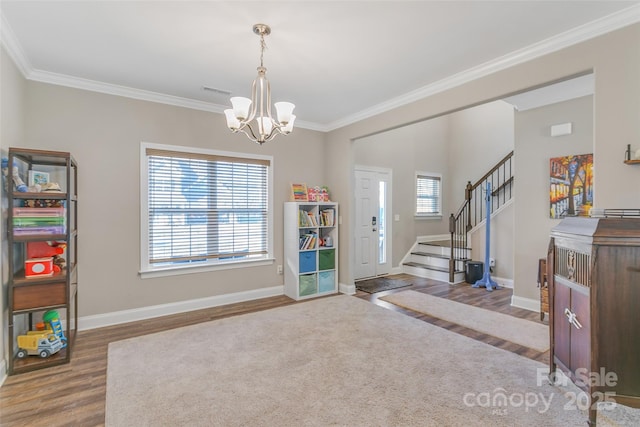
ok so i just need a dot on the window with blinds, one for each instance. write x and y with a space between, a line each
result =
428 194
205 208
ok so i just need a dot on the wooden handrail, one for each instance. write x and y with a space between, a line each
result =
492 170
463 220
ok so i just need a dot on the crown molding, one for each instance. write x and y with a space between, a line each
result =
615 21
10 42
143 95
128 92
577 35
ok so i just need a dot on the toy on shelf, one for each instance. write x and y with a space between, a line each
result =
38 267
324 194
18 183
55 250
21 187
52 319
38 343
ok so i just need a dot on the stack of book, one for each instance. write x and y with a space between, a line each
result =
327 217
308 241
306 219
32 221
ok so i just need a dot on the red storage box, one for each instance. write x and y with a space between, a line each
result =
36 267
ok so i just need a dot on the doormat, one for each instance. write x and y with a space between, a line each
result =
372 286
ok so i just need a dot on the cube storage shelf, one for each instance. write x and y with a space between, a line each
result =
36 220
310 249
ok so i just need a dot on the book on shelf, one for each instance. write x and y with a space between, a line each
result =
312 219
308 241
327 217
306 219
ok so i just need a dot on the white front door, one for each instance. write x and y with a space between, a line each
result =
372 228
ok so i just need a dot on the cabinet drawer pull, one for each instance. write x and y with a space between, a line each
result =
572 318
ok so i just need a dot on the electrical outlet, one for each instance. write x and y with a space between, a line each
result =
492 262
280 270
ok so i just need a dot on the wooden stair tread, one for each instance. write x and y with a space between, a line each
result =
440 245
430 267
437 255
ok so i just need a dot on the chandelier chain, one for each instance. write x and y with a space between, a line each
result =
263 46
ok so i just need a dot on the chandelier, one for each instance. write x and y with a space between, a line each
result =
253 116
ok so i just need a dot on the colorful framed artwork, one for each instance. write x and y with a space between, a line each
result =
39 178
571 185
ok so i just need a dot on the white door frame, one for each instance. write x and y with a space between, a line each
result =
388 173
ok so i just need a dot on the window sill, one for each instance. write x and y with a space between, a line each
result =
427 216
179 270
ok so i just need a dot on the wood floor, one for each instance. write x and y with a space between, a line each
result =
74 394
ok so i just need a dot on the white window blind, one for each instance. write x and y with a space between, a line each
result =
428 194
206 208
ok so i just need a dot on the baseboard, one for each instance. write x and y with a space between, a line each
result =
347 289
124 316
505 283
526 303
3 371
396 270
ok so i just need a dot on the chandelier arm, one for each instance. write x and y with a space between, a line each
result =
268 87
252 109
251 134
272 134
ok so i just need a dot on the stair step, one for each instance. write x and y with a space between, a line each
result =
437 255
444 243
447 246
430 267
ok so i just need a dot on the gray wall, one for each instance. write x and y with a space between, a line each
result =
534 147
615 58
479 137
12 89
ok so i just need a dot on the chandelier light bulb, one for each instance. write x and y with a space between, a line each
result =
284 111
241 107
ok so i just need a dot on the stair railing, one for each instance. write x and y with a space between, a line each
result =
474 210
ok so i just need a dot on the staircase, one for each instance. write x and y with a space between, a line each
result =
431 260
446 259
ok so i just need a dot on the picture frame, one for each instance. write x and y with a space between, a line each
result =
570 185
37 177
299 193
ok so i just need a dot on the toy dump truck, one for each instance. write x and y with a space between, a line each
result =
38 343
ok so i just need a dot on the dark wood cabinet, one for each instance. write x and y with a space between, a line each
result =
593 269
41 214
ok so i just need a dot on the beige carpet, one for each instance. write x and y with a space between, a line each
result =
336 361
520 331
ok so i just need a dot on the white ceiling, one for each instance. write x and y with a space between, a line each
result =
338 61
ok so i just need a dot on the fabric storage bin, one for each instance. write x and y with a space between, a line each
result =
307 283
327 259
326 281
307 261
